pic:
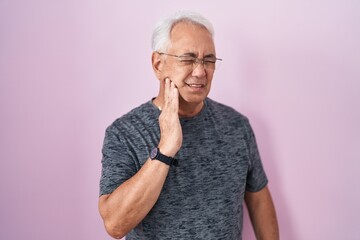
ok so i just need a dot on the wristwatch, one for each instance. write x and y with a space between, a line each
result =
156 154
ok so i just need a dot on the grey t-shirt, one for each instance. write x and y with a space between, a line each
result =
202 197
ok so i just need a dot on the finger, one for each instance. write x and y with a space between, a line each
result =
167 91
174 96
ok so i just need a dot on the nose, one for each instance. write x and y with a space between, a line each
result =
199 70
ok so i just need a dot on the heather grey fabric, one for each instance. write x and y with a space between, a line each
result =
202 197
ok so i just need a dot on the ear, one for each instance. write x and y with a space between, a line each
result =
157 64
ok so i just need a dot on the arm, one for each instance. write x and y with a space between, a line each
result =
262 214
124 208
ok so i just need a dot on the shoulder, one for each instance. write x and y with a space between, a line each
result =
140 117
225 112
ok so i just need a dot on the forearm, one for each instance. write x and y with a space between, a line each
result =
123 209
262 214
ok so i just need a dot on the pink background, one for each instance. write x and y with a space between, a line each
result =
69 68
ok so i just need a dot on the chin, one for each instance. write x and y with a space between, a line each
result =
195 99
194 95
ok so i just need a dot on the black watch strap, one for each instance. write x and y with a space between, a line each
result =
156 154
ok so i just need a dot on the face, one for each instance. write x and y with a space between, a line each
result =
193 83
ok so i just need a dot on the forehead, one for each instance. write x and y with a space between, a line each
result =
192 38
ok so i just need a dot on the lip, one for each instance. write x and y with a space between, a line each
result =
196 87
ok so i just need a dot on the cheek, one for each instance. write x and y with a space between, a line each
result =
210 77
178 77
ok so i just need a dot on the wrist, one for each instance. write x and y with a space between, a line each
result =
157 155
167 151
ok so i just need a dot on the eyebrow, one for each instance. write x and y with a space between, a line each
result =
211 55
191 54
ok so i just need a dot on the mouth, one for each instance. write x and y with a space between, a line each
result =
194 85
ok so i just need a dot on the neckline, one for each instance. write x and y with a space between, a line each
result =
202 111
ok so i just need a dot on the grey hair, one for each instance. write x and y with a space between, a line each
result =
161 35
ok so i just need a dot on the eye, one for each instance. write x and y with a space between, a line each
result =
187 60
210 60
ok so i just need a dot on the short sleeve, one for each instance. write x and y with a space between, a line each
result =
256 178
117 164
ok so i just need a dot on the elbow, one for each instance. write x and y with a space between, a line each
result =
116 225
112 226
114 230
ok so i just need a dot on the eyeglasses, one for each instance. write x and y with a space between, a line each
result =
191 61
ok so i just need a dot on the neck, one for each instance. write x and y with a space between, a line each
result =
186 109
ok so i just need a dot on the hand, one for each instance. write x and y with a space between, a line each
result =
170 128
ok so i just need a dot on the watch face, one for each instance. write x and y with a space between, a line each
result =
153 153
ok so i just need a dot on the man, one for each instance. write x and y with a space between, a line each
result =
180 165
